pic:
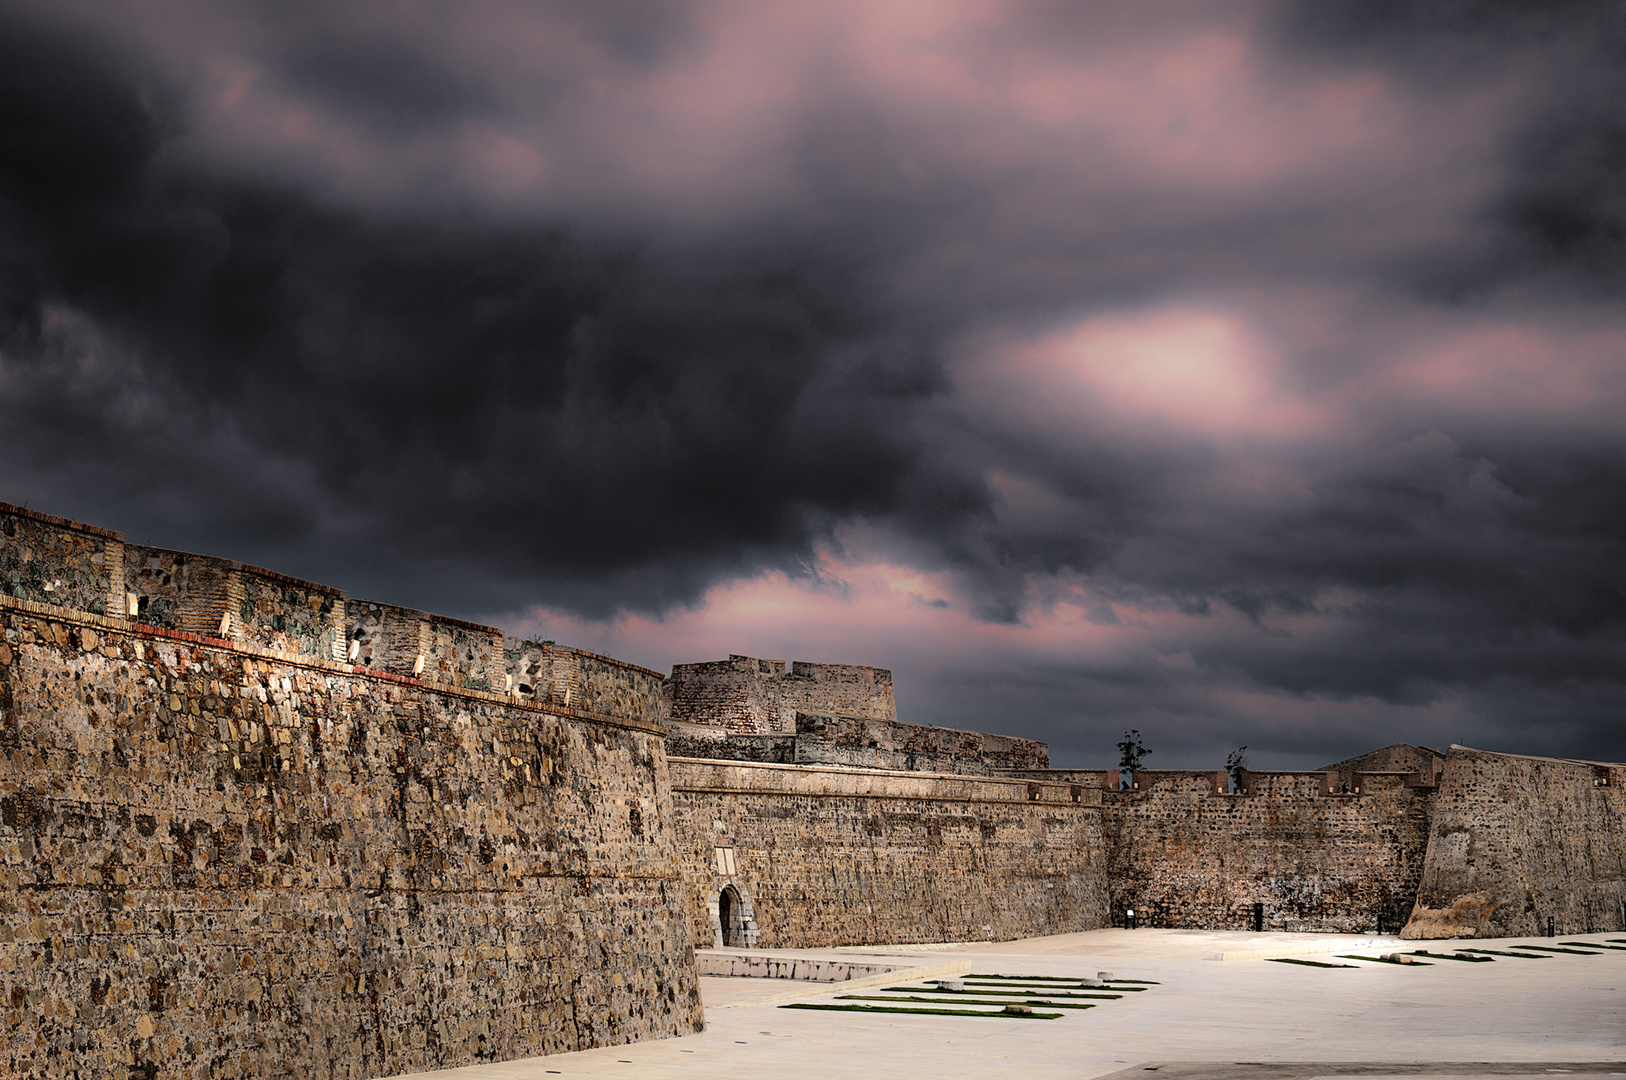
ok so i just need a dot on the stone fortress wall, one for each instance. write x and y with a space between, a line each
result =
812 816
812 856
1515 841
229 851
252 826
1185 852
746 709
749 696
1338 849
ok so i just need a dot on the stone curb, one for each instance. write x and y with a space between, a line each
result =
902 974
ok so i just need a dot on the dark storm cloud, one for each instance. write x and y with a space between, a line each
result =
1561 210
538 408
497 306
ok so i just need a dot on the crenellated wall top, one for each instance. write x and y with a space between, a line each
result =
66 569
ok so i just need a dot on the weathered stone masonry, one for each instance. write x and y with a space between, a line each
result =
250 826
1517 840
222 859
822 856
747 695
1186 853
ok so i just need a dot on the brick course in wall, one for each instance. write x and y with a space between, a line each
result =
825 856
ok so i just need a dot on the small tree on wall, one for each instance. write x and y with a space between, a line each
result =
1131 752
1236 763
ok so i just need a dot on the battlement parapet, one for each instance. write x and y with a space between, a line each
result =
70 567
1257 783
549 673
233 601
435 648
893 744
53 560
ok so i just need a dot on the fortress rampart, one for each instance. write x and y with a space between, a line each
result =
1186 853
822 856
749 696
230 853
1515 841
863 743
250 825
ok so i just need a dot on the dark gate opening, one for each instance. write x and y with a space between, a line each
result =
728 918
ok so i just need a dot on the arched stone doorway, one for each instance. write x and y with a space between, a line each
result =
728 918
736 926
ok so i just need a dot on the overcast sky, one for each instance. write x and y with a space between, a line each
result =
1245 373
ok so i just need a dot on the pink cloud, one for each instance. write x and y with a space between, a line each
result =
1183 368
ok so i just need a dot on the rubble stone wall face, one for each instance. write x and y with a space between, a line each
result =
223 861
51 560
277 612
892 744
739 694
698 741
839 690
1516 840
826 856
1184 854
750 696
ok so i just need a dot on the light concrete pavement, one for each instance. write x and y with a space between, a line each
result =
1566 1012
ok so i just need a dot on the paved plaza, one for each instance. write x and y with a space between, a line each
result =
1215 1005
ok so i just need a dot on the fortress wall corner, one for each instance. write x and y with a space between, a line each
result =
1517 840
224 844
739 694
853 690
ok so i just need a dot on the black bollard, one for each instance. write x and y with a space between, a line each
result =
1258 918
1550 932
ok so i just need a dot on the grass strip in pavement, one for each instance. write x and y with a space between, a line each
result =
929 1012
1591 945
952 1001
970 981
1454 956
998 993
1382 960
1306 963
988 989
1520 955
1059 978
1553 948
